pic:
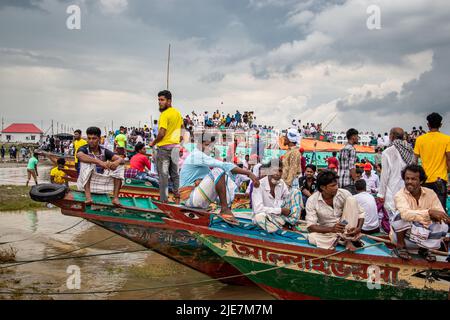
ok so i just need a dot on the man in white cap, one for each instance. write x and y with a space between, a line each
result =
292 159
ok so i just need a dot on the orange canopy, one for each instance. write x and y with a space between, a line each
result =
311 145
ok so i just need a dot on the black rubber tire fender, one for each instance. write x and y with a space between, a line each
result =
48 192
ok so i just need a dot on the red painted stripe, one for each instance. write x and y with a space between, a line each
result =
286 295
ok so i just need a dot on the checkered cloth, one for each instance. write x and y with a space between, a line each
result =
131 173
101 183
416 233
272 222
205 193
347 161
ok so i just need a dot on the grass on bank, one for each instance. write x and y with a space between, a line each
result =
17 198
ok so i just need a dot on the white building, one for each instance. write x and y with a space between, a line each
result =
21 133
364 139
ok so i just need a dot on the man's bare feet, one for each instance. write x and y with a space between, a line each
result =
350 246
116 202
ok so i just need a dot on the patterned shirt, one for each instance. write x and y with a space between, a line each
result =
347 162
291 165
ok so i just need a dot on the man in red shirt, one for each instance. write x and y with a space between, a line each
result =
333 162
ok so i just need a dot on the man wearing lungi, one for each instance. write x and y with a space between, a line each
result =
273 205
420 221
333 215
205 180
101 171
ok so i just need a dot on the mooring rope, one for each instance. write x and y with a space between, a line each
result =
34 235
185 284
61 254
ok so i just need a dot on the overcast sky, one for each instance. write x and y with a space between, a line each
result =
311 60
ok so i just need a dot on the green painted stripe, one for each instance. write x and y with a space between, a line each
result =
316 285
327 287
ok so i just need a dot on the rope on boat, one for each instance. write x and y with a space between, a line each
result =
81 220
59 232
61 254
82 256
185 284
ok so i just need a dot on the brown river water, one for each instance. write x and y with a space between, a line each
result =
38 229
102 273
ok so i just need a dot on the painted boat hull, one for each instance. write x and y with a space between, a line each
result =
150 229
293 269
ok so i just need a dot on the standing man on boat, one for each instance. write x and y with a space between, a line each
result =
201 185
292 168
433 148
347 162
421 221
393 160
333 215
78 142
168 142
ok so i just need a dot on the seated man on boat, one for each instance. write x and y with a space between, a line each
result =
101 171
273 205
420 221
333 215
205 180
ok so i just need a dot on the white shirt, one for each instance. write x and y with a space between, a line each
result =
391 180
386 140
264 202
380 142
372 182
245 164
319 212
367 202
256 169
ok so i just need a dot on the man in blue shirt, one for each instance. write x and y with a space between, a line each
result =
204 180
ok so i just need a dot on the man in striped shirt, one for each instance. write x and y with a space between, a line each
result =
347 162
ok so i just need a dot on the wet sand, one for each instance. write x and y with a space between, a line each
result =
114 272
14 174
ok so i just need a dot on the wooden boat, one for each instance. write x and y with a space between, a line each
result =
140 221
144 189
285 265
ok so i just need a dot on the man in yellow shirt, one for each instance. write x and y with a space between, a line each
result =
57 175
433 148
168 143
77 143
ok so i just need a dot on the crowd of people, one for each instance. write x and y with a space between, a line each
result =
15 153
339 204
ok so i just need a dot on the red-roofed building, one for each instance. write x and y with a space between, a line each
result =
22 133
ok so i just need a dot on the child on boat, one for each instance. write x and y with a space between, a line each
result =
57 175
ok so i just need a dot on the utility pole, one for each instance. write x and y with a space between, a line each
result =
52 128
168 68
3 123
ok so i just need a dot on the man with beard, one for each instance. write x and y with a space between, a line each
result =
394 159
292 168
168 143
421 221
101 171
333 215
433 149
